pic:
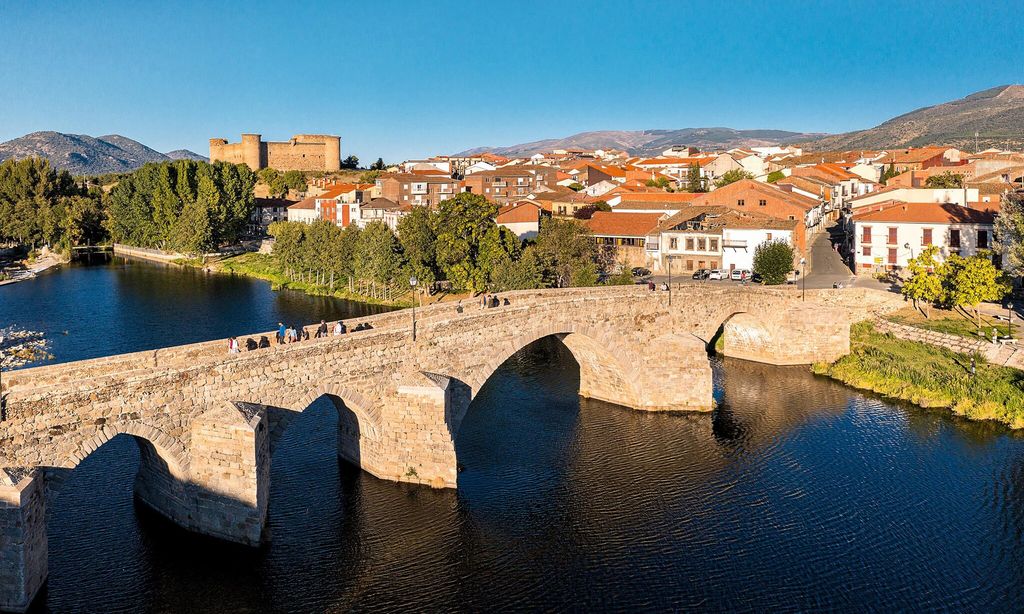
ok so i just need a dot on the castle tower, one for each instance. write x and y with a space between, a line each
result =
332 153
251 146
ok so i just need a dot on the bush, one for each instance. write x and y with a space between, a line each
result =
773 260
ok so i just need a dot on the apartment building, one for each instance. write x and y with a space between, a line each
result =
425 190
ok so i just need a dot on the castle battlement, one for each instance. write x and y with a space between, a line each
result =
304 152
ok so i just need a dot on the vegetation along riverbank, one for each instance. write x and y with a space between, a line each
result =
929 376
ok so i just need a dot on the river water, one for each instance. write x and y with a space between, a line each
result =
796 494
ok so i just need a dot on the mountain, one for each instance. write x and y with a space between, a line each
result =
996 114
185 154
652 142
81 154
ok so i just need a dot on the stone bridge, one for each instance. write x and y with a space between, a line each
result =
207 421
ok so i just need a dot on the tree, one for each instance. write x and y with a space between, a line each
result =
773 260
945 180
575 186
889 173
568 252
967 282
732 176
369 176
1009 232
83 221
274 182
461 224
33 202
294 180
378 255
659 182
417 236
587 211
694 181
527 273
925 283
378 165
775 176
351 162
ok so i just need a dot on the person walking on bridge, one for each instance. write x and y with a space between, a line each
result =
281 332
321 331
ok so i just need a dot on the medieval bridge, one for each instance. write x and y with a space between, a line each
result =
207 421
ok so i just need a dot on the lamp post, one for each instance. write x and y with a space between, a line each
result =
910 249
670 281
1009 319
412 284
803 279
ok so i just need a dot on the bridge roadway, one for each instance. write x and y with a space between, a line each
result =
207 422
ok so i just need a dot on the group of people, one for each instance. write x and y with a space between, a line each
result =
294 334
489 300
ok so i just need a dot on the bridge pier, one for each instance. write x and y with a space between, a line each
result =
799 336
23 546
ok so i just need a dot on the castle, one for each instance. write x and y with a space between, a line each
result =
304 152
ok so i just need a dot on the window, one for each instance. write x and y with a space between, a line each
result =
700 244
954 238
769 236
689 244
892 255
714 264
926 236
866 237
673 243
792 217
867 250
713 245
892 235
762 203
982 239
689 265
739 203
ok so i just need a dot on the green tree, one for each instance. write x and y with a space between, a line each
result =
33 199
732 177
295 181
888 173
351 162
587 211
527 273
378 255
369 176
659 182
925 283
694 182
945 180
1009 232
274 181
83 222
773 260
462 224
378 165
575 186
968 282
775 176
568 252
418 239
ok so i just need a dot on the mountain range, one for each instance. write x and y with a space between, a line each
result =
652 142
81 154
996 115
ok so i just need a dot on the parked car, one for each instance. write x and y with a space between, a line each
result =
740 274
756 278
792 277
640 271
700 274
717 274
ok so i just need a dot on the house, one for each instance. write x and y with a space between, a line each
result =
478 167
651 202
504 185
959 196
267 211
416 189
624 235
304 211
561 201
714 237
522 218
383 210
919 158
888 234
767 199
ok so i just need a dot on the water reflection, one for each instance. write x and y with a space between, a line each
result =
796 494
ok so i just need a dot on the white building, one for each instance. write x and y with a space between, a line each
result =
887 235
957 196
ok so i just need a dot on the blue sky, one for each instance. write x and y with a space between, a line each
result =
409 79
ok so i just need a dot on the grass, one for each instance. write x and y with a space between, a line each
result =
951 322
929 376
264 266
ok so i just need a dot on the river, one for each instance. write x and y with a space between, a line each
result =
796 494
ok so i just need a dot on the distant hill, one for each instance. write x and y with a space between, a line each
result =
996 114
81 154
185 154
652 142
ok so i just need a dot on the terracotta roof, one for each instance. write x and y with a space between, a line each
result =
306 203
521 211
612 224
668 197
923 213
381 203
913 155
762 188
724 217
274 202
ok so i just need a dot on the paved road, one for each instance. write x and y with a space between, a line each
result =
826 266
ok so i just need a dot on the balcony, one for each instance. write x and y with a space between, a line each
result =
735 243
499 184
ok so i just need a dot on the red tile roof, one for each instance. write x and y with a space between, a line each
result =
923 213
611 224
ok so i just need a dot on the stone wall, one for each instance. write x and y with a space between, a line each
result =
304 152
1007 355
23 546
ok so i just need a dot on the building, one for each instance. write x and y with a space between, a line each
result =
624 235
304 211
919 158
266 212
304 152
522 218
958 196
713 237
887 235
416 189
383 210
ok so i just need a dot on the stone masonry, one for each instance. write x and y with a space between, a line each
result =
207 421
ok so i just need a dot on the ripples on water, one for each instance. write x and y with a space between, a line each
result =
797 494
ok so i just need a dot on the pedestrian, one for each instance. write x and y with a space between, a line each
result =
494 300
305 334
650 285
232 345
292 334
338 328
483 301
281 331
322 330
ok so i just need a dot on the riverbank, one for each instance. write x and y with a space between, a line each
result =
263 266
929 376
11 275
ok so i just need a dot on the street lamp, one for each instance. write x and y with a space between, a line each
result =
911 249
670 281
412 284
1009 319
803 279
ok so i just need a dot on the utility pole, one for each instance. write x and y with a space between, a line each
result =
670 281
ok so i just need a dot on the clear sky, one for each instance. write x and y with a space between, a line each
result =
409 79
